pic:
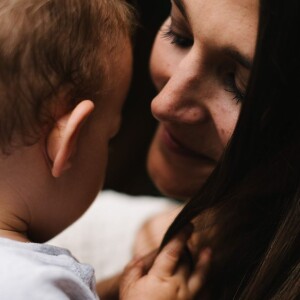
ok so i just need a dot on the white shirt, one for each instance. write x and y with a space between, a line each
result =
43 272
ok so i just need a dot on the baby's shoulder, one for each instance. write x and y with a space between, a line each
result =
31 272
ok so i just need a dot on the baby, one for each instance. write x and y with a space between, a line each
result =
65 68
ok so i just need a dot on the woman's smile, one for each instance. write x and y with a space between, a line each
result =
171 142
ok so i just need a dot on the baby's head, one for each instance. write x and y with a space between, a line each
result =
65 67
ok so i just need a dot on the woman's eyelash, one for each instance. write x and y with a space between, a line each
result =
231 87
177 39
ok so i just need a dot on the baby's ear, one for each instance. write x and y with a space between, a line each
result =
62 139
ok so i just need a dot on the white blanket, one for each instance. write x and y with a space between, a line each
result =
104 235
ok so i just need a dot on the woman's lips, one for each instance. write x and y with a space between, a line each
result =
178 148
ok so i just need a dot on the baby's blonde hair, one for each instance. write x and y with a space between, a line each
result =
46 45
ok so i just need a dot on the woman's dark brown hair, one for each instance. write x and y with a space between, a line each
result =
253 195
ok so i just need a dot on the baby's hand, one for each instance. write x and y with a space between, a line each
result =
169 278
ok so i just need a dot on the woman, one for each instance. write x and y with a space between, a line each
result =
201 76
252 197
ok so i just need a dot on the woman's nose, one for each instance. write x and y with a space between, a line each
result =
181 96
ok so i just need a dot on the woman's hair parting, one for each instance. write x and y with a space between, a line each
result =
52 47
248 212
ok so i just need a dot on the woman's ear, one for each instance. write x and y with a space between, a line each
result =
62 139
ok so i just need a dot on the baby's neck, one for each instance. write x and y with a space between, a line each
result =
13 235
12 226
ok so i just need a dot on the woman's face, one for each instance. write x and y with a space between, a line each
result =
200 65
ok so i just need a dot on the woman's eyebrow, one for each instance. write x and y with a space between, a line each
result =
181 7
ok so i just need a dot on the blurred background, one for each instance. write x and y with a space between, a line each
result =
127 163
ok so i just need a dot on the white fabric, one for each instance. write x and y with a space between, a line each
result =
104 235
37 271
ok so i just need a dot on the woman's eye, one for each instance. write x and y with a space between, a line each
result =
177 39
231 87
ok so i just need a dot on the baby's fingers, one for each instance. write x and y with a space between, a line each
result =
197 278
132 273
166 262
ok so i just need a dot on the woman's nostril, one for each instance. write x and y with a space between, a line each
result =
178 109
